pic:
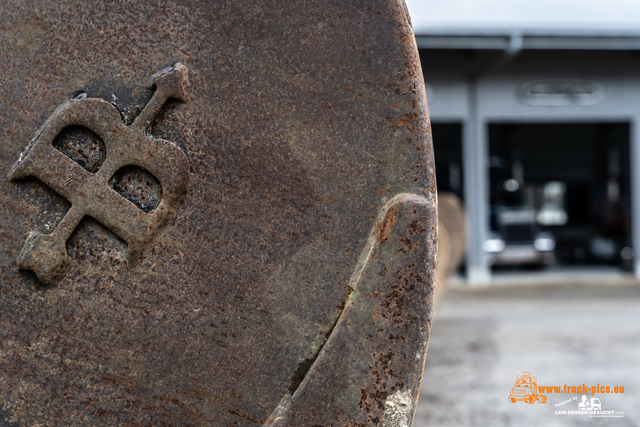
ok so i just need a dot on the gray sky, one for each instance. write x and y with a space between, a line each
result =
614 17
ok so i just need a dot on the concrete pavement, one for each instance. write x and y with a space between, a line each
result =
564 334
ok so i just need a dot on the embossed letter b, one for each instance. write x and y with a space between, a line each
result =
89 193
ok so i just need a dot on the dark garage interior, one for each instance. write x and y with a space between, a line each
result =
586 165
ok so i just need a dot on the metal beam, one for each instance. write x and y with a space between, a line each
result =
533 42
461 42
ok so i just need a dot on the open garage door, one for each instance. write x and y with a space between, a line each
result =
572 179
447 146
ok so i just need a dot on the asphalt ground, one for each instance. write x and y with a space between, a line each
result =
569 333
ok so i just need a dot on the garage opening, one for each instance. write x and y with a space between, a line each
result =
447 148
562 188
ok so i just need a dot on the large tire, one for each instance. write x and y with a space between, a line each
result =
542 399
531 399
512 399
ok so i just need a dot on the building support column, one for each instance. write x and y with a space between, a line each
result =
635 192
475 153
476 189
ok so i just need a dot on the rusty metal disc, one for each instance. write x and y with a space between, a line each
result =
214 213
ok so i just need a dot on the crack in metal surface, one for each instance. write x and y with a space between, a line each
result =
372 242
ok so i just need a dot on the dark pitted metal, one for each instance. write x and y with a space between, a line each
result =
91 190
290 285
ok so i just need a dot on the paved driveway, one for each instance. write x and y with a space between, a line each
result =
568 334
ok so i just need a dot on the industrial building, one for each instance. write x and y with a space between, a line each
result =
536 126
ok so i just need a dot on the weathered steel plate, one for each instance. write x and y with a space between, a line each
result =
250 241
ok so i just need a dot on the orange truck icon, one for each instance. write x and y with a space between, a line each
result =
526 389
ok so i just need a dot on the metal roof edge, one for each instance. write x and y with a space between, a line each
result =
552 31
539 42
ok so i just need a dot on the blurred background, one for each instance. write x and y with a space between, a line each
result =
535 111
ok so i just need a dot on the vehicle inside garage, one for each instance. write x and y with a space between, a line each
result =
574 177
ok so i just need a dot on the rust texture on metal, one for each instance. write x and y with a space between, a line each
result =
261 253
130 152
